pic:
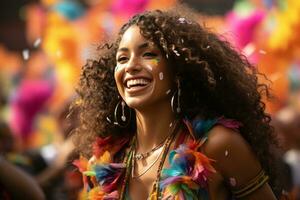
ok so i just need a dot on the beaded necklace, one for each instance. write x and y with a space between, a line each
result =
129 164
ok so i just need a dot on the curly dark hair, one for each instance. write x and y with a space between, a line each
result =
216 80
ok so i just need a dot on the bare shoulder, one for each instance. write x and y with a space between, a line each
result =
236 165
232 154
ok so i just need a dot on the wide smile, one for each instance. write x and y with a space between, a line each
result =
134 85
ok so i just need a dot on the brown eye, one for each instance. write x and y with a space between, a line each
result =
122 59
149 55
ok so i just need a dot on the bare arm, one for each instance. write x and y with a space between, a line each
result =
236 163
19 184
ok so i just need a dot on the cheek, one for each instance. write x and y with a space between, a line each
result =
118 78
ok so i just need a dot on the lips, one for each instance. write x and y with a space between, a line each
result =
136 84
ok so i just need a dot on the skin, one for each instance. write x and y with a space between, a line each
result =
154 115
19 184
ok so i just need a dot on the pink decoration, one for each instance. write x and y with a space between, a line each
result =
243 28
29 99
128 7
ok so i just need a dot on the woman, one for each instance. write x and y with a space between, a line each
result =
157 112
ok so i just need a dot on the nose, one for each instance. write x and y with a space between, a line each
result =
133 65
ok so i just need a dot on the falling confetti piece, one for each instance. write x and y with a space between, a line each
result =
161 76
37 42
249 49
232 182
226 153
170 124
262 52
25 54
176 52
168 91
108 119
207 46
182 20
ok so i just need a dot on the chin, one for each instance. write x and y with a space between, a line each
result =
136 103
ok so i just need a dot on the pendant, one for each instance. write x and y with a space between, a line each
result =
139 156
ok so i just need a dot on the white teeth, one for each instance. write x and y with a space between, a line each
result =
134 82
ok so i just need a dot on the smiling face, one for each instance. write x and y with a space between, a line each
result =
142 74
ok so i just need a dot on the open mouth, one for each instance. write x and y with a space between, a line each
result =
137 83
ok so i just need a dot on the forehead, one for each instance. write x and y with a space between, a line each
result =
132 37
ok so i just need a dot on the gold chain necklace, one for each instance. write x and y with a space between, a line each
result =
145 170
141 156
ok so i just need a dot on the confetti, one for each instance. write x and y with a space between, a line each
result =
249 49
232 182
262 52
37 42
25 54
226 153
207 46
176 52
182 20
171 124
161 76
107 119
168 91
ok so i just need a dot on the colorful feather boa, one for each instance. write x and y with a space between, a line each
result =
185 179
101 176
190 169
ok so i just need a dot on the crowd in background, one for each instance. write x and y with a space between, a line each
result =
38 78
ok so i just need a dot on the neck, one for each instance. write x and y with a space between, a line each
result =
153 126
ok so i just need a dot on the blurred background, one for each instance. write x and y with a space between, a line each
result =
44 43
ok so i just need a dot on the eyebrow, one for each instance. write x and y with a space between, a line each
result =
141 46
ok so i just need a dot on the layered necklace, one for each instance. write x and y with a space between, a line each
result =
132 157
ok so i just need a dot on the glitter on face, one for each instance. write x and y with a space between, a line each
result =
161 76
155 61
25 54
